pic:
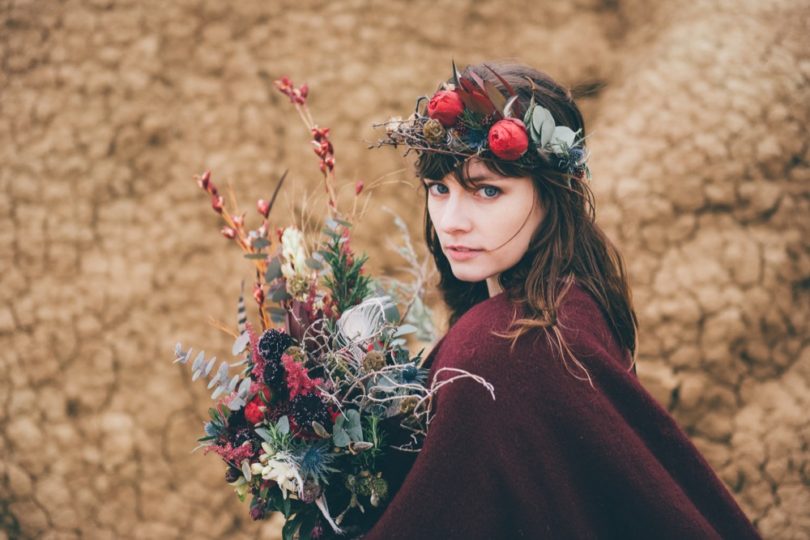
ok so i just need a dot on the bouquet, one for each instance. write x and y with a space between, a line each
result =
325 390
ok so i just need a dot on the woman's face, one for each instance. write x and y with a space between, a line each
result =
487 230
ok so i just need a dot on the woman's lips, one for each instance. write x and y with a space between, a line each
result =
462 254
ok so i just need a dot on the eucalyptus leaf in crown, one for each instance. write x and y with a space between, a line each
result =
472 117
323 389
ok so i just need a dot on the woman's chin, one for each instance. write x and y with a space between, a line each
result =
468 274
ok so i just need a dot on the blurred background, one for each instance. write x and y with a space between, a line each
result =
697 113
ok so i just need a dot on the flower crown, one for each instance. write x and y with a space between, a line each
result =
471 117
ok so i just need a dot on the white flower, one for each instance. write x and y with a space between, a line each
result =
284 474
294 262
293 252
365 320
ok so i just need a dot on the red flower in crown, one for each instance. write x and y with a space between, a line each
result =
508 139
445 106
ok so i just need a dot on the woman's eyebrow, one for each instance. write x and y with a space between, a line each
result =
485 177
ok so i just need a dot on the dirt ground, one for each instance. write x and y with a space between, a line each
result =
696 112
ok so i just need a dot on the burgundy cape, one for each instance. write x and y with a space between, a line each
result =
551 456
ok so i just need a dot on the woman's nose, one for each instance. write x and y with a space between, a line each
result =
455 216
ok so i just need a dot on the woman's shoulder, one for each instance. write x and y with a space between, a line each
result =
474 341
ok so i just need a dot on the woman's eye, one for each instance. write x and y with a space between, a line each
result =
490 192
437 189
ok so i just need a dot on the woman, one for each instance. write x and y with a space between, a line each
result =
572 446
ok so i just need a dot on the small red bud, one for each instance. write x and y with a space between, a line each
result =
263 207
228 232
238 221
204 180
217 202
258 293
358 187
304 90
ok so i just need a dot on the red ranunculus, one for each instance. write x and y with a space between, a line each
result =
445 106
508 139
253 413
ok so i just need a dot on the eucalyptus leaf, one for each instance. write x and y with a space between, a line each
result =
404 330
259 243
273 269
236 403
255 256
210 366
240 343
562 139
222 372
528 117
283 425
314 264
198 361
279 294
547 124
277 315
244 387
233 383
219 390
340 437
353 427
196 375
246 470
264 434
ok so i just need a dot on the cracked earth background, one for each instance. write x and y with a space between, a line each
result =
110 254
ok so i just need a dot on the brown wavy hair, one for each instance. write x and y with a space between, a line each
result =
567 246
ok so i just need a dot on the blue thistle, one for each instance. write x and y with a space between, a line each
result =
314 461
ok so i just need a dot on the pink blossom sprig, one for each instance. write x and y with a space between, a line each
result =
252 242
320 137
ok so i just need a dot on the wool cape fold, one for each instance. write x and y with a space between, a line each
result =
552 456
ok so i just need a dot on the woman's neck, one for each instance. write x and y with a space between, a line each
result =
493 286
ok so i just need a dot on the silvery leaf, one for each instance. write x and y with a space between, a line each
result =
353 425
340 438
222 372
314 263
240 343
246 470
562 138
331 223
273 269
198 361
264 434
236 403
240 362
259 242
210 366
244 387
547 125
233 383
527 118
283 425
196 375
219 390
404 330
